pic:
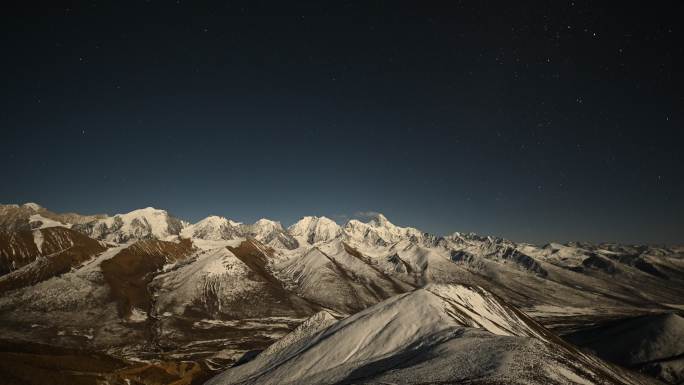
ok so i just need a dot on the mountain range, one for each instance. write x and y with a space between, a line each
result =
151 298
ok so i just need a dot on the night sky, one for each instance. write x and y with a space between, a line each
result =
535 121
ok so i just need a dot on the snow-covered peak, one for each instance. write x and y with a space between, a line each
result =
138 224
379 220
145 211
33 206
270 233
214 219
155 219
476 307
267 224
315 229
465 240
379 231
212 228
470 236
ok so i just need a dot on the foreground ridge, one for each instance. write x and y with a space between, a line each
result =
424 337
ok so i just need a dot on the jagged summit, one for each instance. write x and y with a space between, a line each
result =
32 206
314 229
212 228
268 223
270 233
379 231
146 223
379 219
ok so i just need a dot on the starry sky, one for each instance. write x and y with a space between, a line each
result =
535 121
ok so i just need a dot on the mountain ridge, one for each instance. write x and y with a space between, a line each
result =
376 221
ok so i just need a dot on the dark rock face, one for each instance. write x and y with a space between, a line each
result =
649 344
43 254
599 263
461 256
523 260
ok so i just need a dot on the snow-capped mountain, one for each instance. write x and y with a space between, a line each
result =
437 334
270 233
379 231
31 216
312 230
147 223
213 228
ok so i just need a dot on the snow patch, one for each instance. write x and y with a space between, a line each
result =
32 206
38 240
40 222
137 315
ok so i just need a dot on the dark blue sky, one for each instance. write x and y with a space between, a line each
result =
536 122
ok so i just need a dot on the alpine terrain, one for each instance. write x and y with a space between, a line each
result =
147 298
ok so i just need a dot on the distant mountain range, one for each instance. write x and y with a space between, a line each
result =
153 291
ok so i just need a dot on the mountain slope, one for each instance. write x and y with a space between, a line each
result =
28 257
31 216
438 334
338 277
130 271
223 283
653 344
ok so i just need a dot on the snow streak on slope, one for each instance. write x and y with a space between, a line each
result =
38 240
312 325
38 221
475 307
